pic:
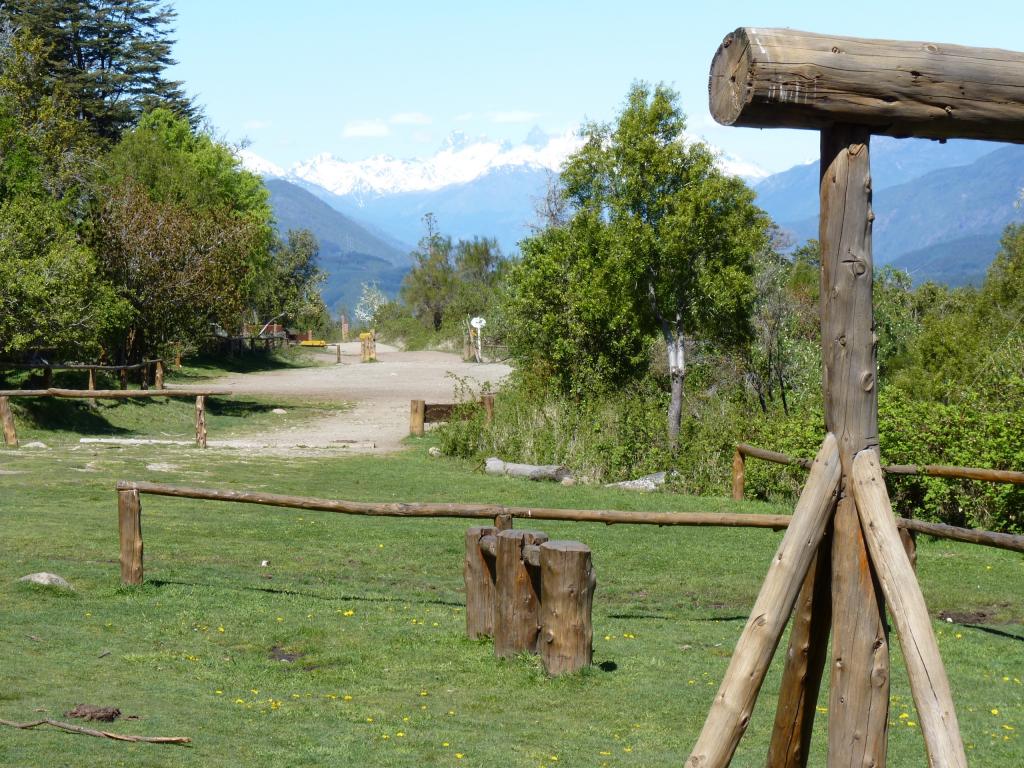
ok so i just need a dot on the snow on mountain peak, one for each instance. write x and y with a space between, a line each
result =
460 160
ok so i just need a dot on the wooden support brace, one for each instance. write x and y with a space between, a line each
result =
730 712
417 412
7 417
201 421
805 663
568 582
517 594
479 575
929 684
129 516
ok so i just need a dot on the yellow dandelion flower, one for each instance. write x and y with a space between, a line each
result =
994 711
219 693
424 693
369 719
904 715
346 697
400 734
349 612
220 629
459 755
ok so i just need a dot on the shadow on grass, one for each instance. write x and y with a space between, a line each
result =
207 365
60 415
218 406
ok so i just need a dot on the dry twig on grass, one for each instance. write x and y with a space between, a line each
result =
100 734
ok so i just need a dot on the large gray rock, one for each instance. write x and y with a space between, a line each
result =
47 580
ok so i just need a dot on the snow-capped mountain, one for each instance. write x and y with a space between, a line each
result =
460 160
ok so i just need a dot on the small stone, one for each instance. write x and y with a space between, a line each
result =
36 444
264 563
279 411
434 451
568 481
47 580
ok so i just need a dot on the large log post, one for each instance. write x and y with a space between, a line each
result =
479 573
739 471
928 682
517 594
159 374
782 78
805 663
568 582
859 692
730 712
201 421
417 416
129 519
7 417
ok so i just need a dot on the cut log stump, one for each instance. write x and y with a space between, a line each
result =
517 594
478 573
568 582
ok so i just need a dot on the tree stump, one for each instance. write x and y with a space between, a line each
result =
517 594
568 583
478 572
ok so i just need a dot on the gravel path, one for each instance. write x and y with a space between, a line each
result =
380 393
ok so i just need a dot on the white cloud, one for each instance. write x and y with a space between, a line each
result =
513 116
410 118
365 129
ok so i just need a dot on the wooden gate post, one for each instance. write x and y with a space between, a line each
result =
568 582
129 517
123 377
159 374
739 466
487 401
517 594
7 417
201 421
478 572
417 412
337 350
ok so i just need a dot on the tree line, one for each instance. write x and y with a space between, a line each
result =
126 226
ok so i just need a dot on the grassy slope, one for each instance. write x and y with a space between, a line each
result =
375 608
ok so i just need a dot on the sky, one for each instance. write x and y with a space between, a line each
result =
300 78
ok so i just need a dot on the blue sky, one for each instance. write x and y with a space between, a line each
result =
357 79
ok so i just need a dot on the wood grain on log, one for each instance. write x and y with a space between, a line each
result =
734 702
859 693
568 582
928 682
478 574
129 517
805 663
782 78
517 594
859 688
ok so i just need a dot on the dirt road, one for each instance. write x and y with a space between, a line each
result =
379 392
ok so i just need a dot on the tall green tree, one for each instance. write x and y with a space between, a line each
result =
111 55
429 286
680 232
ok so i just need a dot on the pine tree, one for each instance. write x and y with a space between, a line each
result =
110 55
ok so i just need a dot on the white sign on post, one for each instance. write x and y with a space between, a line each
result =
479 323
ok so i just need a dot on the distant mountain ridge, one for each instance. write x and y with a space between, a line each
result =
940 209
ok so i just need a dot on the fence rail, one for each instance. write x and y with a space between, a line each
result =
743 450
422 413
130 506
91 368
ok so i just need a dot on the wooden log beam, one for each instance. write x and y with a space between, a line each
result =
730 712
516 595
555 472
782 78
928 682
7 420
859 686
119 394
129 517
479 575
773 456
805 664
466 511
568 582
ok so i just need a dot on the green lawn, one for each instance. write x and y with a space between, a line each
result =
372 610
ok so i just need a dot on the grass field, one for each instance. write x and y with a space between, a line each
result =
370 612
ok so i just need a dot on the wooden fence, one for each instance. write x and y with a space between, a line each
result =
932 470
145 367
422 412
7 416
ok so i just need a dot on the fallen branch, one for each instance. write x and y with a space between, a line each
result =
556 472
100 734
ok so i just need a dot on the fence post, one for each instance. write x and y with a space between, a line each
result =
337 349
201 421
47 378
7 417
123 376
144 375
909 540
517 594
739 467
129 518
567 598
487 401
417 412
159 374
478 574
